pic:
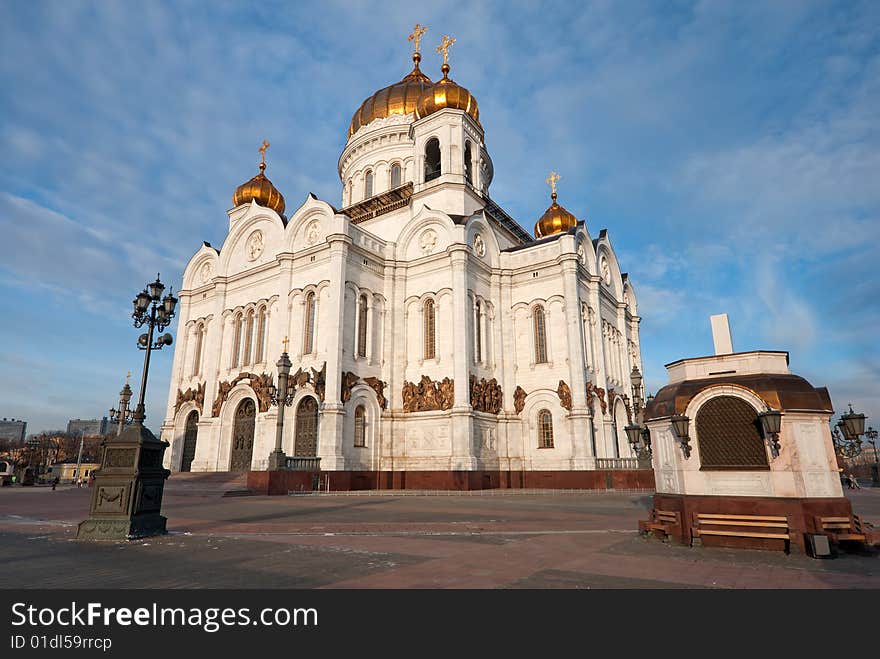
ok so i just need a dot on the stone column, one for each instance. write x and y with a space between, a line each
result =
462 430
333 413
579 415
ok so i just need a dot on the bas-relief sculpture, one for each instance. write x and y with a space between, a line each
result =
486 395
196 396
349 380
428 395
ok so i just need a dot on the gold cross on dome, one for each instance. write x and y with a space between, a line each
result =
285 342
552 181
444 47
416 35
263 148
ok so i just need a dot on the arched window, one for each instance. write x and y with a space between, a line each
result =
395 176
540 336
362 327
360 426
729 435
468 164
309 328
430 330
478 333
248 338
261 336
545 429
368 184
432 159
197 358
236 340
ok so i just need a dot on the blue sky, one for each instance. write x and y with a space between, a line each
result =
732 150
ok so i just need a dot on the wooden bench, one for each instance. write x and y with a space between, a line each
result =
661 521
742 526
842 528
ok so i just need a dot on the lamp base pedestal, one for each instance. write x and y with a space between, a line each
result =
277 460
127 492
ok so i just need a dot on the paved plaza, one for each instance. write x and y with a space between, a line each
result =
395 540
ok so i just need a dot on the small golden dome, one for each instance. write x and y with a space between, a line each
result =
447 94
399 98
554 220
260 189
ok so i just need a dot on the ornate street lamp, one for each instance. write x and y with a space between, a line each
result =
771 422
636 379
681 425
639 441
282 397
161 311
846 434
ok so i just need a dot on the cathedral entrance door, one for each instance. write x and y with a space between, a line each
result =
243 436
190 434
306 431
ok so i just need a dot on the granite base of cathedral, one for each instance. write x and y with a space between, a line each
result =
286 482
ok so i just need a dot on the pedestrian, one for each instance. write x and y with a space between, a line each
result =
54 483
854 482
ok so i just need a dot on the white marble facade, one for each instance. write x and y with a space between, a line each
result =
485 280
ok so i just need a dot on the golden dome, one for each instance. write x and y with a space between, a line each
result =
447 94
399 98
554 220
260 189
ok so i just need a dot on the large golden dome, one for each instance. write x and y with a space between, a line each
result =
260 189
399 98
554 220
447 94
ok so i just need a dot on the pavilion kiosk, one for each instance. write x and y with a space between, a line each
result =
743 454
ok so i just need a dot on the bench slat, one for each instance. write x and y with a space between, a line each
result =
746 517
743 534
719 522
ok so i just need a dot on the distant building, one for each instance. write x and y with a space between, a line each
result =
13 429
66 470
88 426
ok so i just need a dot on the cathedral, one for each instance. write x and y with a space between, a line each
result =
427 329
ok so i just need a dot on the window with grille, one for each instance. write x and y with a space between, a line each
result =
261 336
545 429
430 334
236 340
478 334
395 176
540 336
362 327
432 159
729 435
248 338
197 360
309 328
368 185
360 426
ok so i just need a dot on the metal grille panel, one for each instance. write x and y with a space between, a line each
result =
729 435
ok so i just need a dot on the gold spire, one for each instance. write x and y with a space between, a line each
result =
416 35
555 219
260 188
262 151
284 343
552 181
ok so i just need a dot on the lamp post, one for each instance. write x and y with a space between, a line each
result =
282 397
871 436
771 422
681 425
637 434
123 416
127 495
156 312
846 434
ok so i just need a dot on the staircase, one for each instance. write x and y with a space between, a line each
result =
207 484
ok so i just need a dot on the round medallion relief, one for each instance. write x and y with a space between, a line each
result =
254 245
206 272
313 232
428 241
